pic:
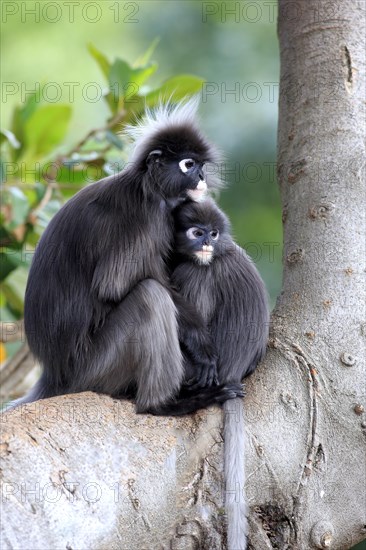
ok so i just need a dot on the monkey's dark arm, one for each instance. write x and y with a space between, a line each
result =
114 276
196 344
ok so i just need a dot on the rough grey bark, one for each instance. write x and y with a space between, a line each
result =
85 472
315 372
108 478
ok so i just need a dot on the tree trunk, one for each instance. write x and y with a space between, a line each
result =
311 431
104 477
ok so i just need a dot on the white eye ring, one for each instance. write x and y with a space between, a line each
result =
183 164
191 233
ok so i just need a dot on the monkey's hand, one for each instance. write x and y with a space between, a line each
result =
206 376
200 370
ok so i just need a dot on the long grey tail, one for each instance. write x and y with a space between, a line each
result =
235 502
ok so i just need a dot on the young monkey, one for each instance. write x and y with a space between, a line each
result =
216 275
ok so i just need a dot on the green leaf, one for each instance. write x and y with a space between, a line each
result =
33 236
20 116
3 170
111 101
7 265
100 58
9 261
119 75
6 135
124 81
23 112
175 88
46 129
144 59
19 207
139 76
13 296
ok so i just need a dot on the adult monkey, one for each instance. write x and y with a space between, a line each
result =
218 277
99 314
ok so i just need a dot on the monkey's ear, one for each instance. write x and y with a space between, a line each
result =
153 156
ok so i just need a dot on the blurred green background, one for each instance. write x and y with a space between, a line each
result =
232 46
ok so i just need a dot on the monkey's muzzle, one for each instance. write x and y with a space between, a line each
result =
204 256
199 193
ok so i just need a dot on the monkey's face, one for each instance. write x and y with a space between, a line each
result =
178 177
202 231
198 243
193 170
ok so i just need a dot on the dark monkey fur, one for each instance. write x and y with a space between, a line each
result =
99 312
216 275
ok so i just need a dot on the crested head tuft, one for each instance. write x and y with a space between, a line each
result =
172 128
163 117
